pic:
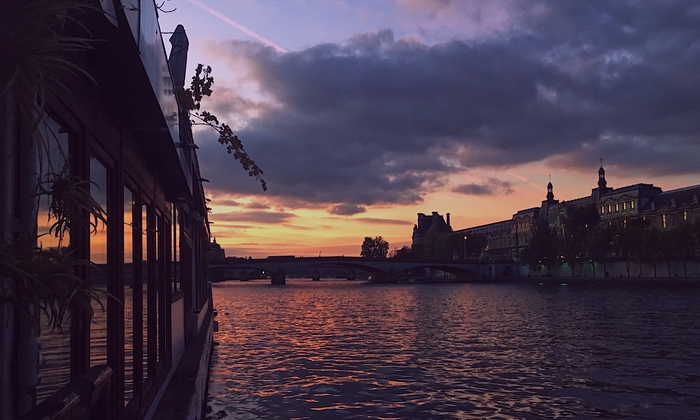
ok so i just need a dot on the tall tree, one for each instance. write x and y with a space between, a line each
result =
374 248
685 242
576 227
405 253
633 243
542 247
599 245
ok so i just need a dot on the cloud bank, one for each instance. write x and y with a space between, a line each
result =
381 121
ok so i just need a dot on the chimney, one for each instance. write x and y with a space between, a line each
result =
448 220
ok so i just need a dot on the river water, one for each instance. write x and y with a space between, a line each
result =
341 349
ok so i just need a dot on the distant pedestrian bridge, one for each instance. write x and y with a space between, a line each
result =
380 270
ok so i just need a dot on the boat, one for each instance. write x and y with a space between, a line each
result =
109 124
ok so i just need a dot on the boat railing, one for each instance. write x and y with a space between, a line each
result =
84 398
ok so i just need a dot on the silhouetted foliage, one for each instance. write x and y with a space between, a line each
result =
405 253
43 44
576 226
454 246
374 248
580 238
685 242
599 245
542 247
633 243
38 52
191 98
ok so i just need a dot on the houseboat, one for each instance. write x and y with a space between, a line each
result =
105 307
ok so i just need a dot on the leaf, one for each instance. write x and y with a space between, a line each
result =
191 99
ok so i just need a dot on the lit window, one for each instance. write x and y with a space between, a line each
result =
631 204
602 210
624 224
685 215
663 221
609 208
624 206
617 207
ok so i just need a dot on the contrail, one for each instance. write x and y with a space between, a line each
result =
527 181
237 25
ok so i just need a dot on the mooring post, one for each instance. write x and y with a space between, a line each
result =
278 277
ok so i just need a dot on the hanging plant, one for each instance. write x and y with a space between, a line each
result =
191 98
38 46
69 202
44 280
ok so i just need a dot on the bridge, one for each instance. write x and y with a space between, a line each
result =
381 270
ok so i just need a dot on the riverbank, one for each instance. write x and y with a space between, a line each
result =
551 280
610 281
547 280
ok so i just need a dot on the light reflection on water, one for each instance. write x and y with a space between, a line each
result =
335 348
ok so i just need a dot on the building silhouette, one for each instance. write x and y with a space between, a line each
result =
216 252
434 222
507 239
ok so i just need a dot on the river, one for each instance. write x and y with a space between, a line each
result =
341 349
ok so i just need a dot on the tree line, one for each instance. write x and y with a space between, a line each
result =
452 246
578 238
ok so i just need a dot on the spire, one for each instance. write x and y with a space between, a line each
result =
602 183
550 193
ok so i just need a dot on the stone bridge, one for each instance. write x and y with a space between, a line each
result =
381 270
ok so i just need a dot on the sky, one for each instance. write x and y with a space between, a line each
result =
364 113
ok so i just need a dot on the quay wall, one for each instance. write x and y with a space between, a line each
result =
619 269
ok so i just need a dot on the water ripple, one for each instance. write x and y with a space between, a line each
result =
334 349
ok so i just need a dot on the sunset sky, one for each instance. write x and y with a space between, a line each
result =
364 113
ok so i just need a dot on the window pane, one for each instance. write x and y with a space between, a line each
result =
176 250
55 345
144 286
128 295
53 164
155 281
98 267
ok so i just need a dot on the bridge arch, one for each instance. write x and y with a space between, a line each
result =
381 270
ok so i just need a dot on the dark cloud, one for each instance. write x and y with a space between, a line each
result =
491 187
228 202
347 209
379 221
257 206
380 120
262 217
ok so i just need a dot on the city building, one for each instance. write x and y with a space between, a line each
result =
216 252
425 223
108 149
506 239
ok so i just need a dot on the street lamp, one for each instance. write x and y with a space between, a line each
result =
465 247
